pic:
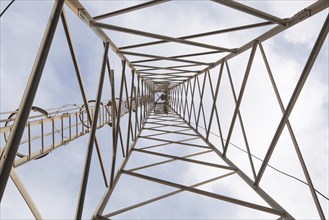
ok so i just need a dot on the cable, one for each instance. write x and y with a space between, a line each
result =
6 8
276 169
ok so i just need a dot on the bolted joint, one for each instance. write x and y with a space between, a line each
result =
302 15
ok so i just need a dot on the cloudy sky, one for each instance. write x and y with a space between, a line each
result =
54 182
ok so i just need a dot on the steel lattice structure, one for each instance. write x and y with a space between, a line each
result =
159 105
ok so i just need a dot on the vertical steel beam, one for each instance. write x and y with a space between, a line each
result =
192 101
12 145
241 122
82 88
91 140
118 123
186 88
237 106
201 92
215 99
130 109
216 112
307 69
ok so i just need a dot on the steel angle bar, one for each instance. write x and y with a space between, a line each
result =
20 186
171 74
249 10
164 119
166 67
186 106
149 68
177 142
130 109
128 102
9 153
216 112
129 9
184 159
168 161
238 28
307 69
157 36
201 93
174 125
215 98
164 133
192 101
161 132
208 194
241 122
140 103
136 112
160 58
166 195
82 88
237 106
270 201
91 138
175 57
293 137
114 153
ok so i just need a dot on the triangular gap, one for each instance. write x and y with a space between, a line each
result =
176 150
238 67
195 99
167 134
259 108
96 187
210 157
225 108
233 186
182 98
13 200
131 190
201 124
237 151
139 160
170 136
127 94
210 94
185 104
182 172
284 188
217 134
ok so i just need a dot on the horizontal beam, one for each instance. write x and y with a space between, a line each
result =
208 194
178 56
244 27
163 58
129 9
184 159
157 36
252 11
